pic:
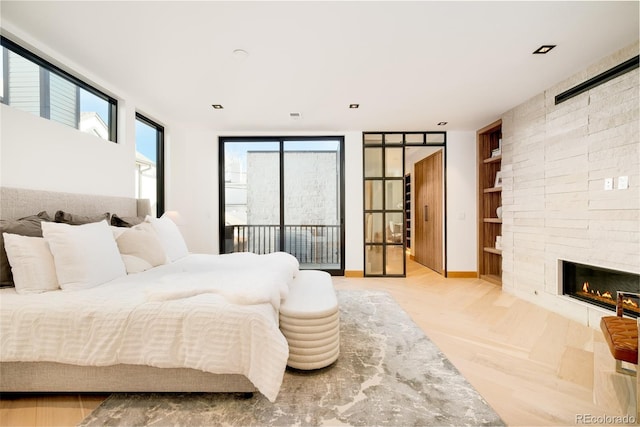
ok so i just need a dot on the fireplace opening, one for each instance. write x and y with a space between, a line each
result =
598 286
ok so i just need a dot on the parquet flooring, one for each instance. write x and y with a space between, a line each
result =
533 366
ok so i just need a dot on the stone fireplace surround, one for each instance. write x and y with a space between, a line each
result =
555 159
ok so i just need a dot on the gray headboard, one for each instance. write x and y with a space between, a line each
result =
19 202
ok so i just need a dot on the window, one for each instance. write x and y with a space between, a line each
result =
32 84
149 169
284 194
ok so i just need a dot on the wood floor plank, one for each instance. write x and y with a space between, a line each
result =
532 366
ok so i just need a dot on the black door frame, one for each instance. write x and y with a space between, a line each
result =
281 140
407 139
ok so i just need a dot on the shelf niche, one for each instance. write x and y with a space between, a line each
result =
489 199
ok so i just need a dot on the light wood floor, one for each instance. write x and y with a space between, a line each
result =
534 367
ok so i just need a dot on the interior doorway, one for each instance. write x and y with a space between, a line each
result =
426 166
389 214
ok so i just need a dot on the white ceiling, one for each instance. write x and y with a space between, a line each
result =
409 65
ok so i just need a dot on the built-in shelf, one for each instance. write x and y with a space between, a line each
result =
493 251
492 190
492 159
493 220
489 200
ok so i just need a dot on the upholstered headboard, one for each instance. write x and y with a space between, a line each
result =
19 202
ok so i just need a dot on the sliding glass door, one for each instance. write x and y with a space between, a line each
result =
284 194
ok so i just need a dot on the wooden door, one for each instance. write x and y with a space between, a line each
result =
428 212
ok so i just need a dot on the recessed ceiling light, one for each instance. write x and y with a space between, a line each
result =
354 105
442 123
217 106
544 49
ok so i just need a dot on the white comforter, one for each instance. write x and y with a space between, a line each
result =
198 312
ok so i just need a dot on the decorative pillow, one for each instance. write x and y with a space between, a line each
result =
31 264
84 255
125 221
73 219
170 237
140 248
27 226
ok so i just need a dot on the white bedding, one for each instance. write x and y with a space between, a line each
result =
197 312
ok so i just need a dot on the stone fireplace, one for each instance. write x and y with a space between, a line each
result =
598 286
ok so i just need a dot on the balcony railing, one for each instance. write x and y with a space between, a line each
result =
317 245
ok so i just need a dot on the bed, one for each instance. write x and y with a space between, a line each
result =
200 323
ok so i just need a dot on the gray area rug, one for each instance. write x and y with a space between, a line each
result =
388 374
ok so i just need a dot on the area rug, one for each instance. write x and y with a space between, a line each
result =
388 374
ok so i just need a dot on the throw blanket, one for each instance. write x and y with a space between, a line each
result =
241 278
115 323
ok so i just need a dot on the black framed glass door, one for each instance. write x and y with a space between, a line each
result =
284 194
386 211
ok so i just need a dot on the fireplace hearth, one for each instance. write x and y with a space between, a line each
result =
598 286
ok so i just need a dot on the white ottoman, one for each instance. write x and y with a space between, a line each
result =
310 321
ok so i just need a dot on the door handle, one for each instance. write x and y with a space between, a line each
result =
426 213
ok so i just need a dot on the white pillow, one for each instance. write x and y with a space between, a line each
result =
170 237
84 255
140 248
31 264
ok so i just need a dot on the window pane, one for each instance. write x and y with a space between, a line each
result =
414 138
63 101
393 138
373 162
394 195
373 260
373 138
252 196
435 138
312 201
2 71
94 115
394 227
395 260
373 195
24 84
393 162
373 228
146 163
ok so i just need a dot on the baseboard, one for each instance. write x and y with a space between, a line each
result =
462 274
353 273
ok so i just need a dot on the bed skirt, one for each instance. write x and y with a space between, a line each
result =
18 377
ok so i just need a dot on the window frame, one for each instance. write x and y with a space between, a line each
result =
159 160
281 140
51 68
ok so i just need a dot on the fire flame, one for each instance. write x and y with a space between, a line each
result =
607 294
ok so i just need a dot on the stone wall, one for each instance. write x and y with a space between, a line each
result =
311 188
554 165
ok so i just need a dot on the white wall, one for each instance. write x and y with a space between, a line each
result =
462 205
193 190
41 154
193 187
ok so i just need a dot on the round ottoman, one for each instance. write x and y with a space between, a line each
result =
310 321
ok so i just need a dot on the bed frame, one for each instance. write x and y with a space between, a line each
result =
17 377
